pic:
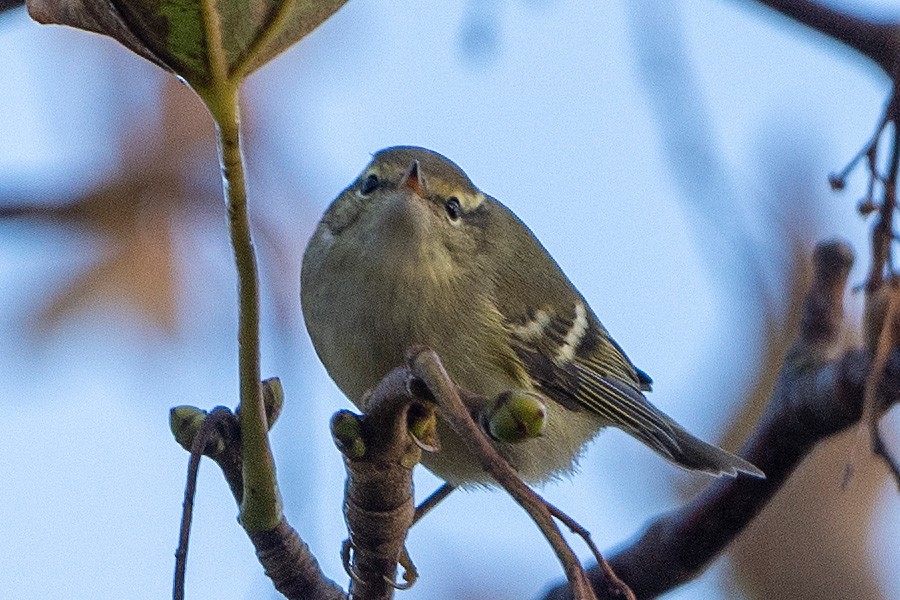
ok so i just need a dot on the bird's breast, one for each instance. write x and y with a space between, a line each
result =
364 309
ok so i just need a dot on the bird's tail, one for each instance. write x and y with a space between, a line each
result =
690 452
628 409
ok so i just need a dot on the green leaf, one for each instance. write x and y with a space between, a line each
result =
286 23
205 42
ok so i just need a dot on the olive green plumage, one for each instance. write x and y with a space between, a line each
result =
413 253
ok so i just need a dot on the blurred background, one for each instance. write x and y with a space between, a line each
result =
672 156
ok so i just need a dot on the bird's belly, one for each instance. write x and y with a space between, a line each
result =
551 456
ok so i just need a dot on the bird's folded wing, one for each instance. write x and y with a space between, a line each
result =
572 359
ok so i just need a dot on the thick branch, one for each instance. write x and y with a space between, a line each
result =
291 565
814 398
805 410
379 455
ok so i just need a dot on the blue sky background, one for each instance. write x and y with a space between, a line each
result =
556 108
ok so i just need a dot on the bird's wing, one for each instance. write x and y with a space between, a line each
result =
572 359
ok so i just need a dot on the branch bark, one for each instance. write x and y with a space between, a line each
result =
816 396
379 456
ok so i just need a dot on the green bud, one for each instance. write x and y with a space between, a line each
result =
422 424
346 430
273 399
517 416
185 422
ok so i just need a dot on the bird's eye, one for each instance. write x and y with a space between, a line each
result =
368 184
453 208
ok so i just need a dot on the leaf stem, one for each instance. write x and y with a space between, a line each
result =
261 504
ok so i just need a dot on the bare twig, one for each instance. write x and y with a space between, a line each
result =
869 152
882 232
198 447
617 587
426 366
879 42
431 501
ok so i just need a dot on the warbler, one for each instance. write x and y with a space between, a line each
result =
413 253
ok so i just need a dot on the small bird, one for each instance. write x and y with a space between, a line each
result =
413 253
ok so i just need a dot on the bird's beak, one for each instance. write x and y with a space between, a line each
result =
414 181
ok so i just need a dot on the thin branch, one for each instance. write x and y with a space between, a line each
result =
426 366
869 152
879 42
261 502
615 586
431 501
198 447
882 232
